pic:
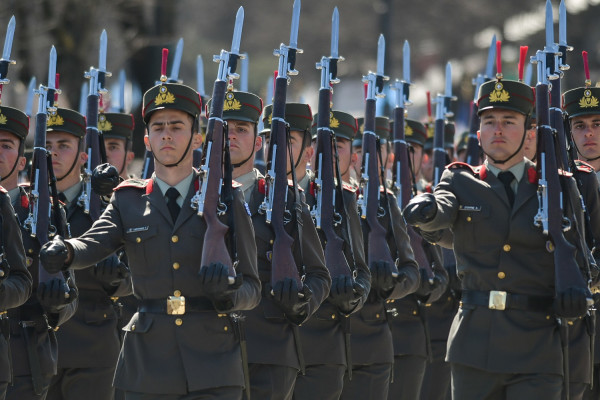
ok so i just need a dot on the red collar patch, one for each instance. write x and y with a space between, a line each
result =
532 175
262 186
24 201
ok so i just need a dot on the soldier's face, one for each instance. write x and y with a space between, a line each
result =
501 133
305 154
9 153
416 155
357 161
169 134
344 149
64 148
116 152
242 141
586 134
530 145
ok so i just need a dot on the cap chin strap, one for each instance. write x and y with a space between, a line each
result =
516 151
237 165
584 158
21 147
72 165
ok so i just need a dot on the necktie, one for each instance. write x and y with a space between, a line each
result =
172 195
506 177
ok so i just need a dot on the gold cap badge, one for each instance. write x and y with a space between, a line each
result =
3 119
103 124
499 94
164 96
588 100
333 122
231 103
54 119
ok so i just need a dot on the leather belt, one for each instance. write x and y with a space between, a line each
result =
175 305
500 300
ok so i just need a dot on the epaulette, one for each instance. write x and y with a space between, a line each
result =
146 184
235 184
582 166
311 188
349 187
479 170
25 185
532 175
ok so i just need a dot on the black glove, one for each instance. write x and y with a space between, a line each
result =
54 254
55 294
111 270
426 287
292 301
214 284
572 303
105 178
345 293
420 209
431 237
381 277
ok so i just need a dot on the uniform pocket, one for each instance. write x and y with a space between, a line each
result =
139 242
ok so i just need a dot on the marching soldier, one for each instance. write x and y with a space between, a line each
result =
181 343
33 342
504 341
15 280
274 353
88 343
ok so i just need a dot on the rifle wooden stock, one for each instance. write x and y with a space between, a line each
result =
335 259
377 243
215 247
283 264
439 154
473 149
567 272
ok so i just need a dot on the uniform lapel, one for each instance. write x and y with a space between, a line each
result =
498 188
186 208
157 200
526 188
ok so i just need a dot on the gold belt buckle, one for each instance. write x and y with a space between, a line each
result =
497 300
176 305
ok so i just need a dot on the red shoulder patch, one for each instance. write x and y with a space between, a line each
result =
262 186
582 166
349 187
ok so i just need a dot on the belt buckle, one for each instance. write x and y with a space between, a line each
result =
497 300
175 305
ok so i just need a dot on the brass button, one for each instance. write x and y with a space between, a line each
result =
133 327
271 241
178 321
468 219
225 328
506 247
30 251
332 316
138 239
547 317
414 312
174 238
177 293
175 265
221 315
376 315
501 275
570 322
104 315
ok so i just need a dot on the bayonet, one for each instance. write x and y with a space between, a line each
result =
380 55
83 97
244 74
200 76
549 26
406 62
122 83
562 24
30 94
489 66
174 78
237 31
102 51
335 33
295 25
8 40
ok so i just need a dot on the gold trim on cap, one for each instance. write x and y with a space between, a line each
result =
164 96
588 100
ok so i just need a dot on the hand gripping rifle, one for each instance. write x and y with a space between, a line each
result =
208 199
442 105
368 200
324 213
38 221
95 144
473 148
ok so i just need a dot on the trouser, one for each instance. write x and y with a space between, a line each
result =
271 382
436 382
220 393
370 381
323 382
408 373
22 388
594 393
475 384
3 386
577 390
82 383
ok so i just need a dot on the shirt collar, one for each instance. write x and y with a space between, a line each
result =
517 170
182 187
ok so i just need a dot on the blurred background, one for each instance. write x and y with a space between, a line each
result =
459 31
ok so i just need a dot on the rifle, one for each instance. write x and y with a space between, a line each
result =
174 77
442 112
5 61
283 264
324 213
208 199
368 200
473 149
95 143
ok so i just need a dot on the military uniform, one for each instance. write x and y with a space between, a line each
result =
325 337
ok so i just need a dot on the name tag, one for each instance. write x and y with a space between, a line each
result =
469 208
138 229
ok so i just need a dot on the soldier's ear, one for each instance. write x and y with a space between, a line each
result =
258 142
196 141
147 142
479 137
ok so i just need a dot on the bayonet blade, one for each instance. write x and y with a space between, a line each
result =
102 58
528 74
244 74
380 55
83 93
200 75
448 91
295 25
489 66
177 61
406 62
335 33
237 31
549 26
562 24
10 33
122 81
30 93
52 69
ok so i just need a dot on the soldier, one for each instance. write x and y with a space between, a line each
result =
33 342
504 341
274 355
372 344
325 337
88 343
16 281
183 307
357 150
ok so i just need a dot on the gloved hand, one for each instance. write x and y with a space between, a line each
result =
420 209
431 237
54 254
345 293
427 286
288 297
381 277
214 284
572 303
111 270
55 294
105 178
